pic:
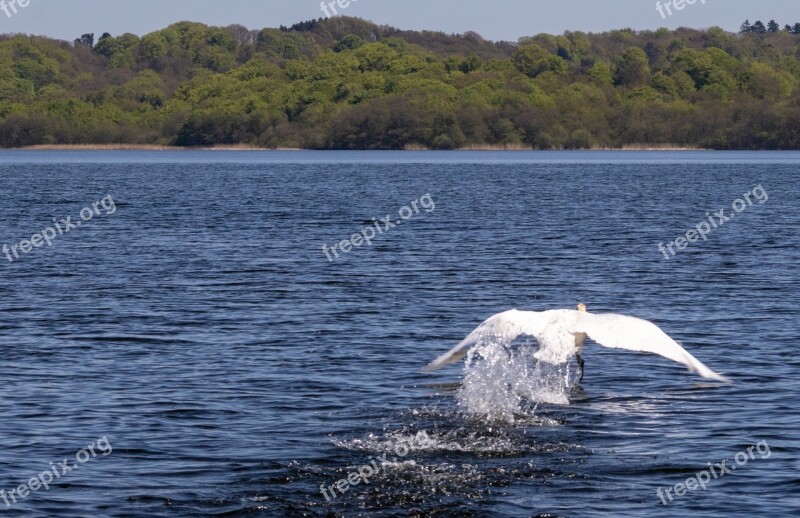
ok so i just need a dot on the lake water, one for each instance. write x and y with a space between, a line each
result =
195 333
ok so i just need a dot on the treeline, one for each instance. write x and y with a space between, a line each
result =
773 26
345 83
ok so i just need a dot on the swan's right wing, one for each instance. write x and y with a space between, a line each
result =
635 334
505 326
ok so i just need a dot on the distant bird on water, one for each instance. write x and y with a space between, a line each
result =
561 333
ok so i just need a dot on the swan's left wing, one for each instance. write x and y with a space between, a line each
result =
635 334
506 326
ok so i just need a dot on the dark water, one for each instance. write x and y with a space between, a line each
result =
200 329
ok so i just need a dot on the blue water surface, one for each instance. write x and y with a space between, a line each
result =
233 369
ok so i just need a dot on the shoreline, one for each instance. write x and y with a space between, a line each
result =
141 147
241 147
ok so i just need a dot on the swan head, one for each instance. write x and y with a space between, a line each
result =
582 308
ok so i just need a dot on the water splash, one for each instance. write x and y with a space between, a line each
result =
506 383
495 442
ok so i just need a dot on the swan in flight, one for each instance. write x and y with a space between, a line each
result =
561 333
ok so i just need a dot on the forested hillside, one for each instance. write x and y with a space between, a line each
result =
345 83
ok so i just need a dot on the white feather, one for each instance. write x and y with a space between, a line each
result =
635 334
556 331
505 326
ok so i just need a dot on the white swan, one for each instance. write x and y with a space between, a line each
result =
561 333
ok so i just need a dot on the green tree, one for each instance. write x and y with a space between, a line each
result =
87 40
602 71
153 49
349 42
632 68
533 60
121 51
347 83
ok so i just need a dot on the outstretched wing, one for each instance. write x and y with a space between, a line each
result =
635 334
506 326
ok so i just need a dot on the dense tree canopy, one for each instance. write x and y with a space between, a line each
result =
346 83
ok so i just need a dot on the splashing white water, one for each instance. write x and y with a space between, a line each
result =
460 440
506 383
